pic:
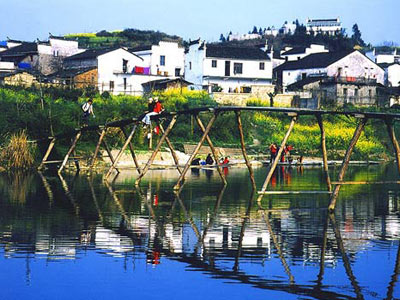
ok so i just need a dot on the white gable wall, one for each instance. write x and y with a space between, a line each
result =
194 69
356 65
393 75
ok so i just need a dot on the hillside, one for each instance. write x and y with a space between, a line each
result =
127 37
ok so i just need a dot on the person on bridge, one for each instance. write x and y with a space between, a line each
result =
157 108
87 109
209 159
273 149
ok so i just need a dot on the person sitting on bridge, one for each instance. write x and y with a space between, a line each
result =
209 159
87 109
224 161
157 109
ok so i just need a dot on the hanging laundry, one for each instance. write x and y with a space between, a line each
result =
146 70
139 70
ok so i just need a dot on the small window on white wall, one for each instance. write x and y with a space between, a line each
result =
214 63
190 65
162 60
262 66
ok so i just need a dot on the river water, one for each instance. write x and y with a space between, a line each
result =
75 237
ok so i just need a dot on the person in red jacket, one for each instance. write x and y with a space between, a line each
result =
157 109
273 149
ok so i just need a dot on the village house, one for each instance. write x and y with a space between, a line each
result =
114 70
76 77
323 26
384 55
288 28
229 69
343 77
297 53
392 74
243 37
45 57
164 59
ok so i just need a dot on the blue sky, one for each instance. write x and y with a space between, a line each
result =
378 20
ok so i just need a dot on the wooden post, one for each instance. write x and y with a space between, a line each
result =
345 259
108 150
213 151
171 147
195 151
392 284
71 149
96 151
131 150
345 163
324 152
277 246
277 158
121 151
240 127
159 144
46 155
323 250
392 136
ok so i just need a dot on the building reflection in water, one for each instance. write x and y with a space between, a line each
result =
221 231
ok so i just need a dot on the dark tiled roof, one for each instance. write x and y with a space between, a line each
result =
323 20
194 42
296 50
140 48
90 54
71 72
299 84
166 81
312 61
24 49
220 51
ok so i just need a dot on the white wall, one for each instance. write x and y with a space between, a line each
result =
174 58
393 75
6 66
194 69
292 76
309 50
357 65
110 68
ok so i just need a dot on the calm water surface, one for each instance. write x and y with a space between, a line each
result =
74 237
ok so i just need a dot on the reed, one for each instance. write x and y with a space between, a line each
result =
17 154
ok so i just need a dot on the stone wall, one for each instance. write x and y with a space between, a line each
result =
88 78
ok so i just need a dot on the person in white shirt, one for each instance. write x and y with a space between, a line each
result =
87 109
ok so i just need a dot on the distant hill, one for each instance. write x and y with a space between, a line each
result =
128 37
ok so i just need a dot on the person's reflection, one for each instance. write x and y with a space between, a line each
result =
226 171
209 174
273 179
288 175
154 255
195 172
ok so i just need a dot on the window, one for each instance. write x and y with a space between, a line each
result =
124 83
162 60
177 72
345 92
55 52
237 68
124 65
303 76
262 66
370 93
214 63
111 85
190 65
356 93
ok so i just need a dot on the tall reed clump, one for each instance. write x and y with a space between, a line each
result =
17 154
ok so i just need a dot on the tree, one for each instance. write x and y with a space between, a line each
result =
222 39
255 30
260 31
356 37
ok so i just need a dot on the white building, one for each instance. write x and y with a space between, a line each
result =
243 37
324 26
118 70
288 28
392 74
384 56
297 53
226 68
351 65
271 31
166 58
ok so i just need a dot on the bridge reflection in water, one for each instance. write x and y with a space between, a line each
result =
292 247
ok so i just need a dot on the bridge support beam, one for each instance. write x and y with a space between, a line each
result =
346 160
46 155
71 150
324 152
195 151
212 148
159 144
277 158
128 140
392 135
131 150
246 158
96 151
173 153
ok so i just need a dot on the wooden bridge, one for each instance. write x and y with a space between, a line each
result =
294 114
